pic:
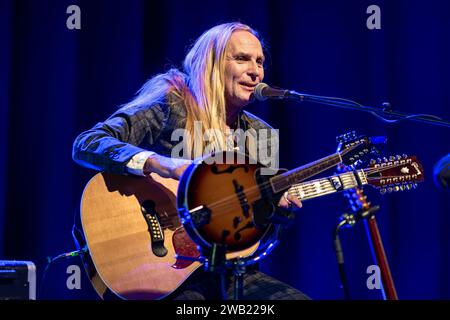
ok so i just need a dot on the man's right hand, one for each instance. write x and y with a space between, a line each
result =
166 167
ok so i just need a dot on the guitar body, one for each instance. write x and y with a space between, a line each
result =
217 203
118 220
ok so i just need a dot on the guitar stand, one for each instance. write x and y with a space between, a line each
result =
215 262
347 220
218 266
215 265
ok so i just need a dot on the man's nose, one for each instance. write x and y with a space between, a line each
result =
252 70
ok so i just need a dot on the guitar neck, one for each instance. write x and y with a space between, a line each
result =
287 179
320 187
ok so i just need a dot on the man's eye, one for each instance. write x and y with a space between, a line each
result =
240 58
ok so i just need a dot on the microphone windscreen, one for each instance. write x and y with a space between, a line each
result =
258 93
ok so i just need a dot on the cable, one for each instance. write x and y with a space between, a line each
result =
51 260
347 220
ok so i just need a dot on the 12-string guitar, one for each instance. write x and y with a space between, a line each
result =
133 230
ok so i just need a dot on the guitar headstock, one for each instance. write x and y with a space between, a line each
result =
397 173
355 150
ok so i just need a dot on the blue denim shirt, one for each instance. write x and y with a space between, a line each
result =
109 145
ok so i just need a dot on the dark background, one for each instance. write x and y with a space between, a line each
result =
55 83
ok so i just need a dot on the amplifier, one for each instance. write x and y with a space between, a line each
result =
17 280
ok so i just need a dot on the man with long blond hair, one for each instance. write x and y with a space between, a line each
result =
221 71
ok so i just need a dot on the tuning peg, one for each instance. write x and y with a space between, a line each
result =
414 185
402 187
390 189
385 159
398 157
392 158
396 188
404 156
372 162
408 187
378 160
383 190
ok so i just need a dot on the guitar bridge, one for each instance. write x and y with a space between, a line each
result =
154 228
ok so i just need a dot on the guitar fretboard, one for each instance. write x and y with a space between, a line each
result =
324 186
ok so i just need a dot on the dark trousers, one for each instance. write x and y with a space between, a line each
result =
202 285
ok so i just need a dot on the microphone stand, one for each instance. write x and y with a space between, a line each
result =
386 109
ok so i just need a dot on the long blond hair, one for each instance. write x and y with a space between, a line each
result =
201 87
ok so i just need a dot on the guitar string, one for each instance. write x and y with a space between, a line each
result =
325 186
322 161
220 204
296 190
251 191
225 201
309 188
273 183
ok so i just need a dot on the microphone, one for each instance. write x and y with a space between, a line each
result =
263 92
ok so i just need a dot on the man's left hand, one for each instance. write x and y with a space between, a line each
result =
291 202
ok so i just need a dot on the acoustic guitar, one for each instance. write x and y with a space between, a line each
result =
135 236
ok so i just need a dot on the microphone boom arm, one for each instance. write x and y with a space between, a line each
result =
263 91
348 104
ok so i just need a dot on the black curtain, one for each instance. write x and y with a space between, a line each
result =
56 82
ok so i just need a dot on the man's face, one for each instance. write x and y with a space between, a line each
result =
244 69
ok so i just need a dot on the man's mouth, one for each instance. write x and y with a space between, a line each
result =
248 86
